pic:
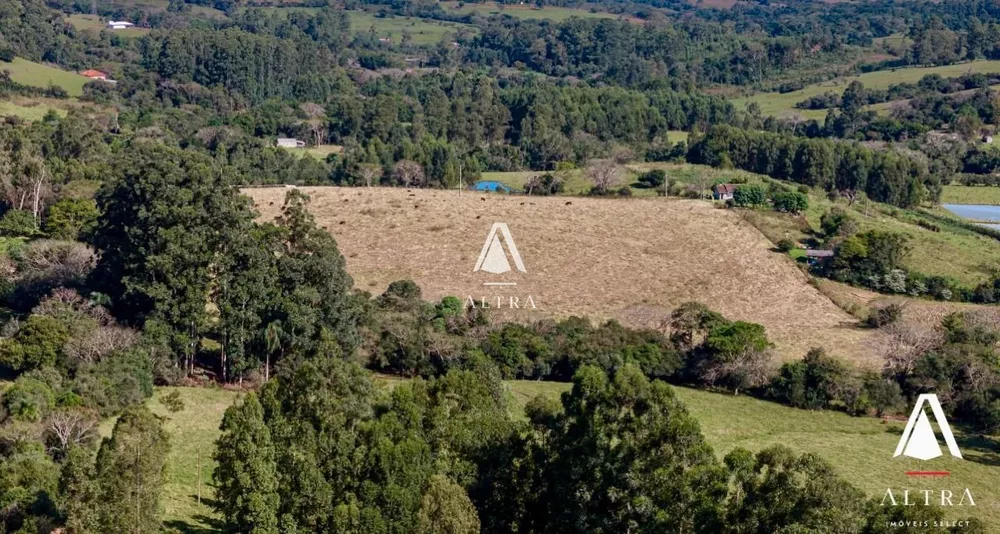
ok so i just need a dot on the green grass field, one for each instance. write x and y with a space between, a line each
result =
29 109
94 24
27 72
962 194
859 448
319 152
554 13
423 31
777 104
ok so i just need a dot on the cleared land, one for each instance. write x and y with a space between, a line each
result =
526 11
778 104
94 24
860 449
633 260
31 109
423 31
964 194
27 72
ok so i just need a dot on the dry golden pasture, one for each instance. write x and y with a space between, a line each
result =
633 260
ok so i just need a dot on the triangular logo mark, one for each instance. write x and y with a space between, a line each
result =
918 439
493 258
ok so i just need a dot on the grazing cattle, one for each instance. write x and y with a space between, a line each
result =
568 202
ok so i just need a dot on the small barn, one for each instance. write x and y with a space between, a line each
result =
723 191
290 142
491 185
95 75
119 25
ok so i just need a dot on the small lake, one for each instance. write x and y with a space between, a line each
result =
979 212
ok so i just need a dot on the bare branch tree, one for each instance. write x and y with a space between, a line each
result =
369 172
605 175
66 427
409 172
903 344
316 120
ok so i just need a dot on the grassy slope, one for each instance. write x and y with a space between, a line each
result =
859 448
35 74
962 194
775 103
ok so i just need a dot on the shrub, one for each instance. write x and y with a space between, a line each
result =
67 218
625 191
884 315
37 344
653 178
29 399
791 202
18 223
749 196
786 245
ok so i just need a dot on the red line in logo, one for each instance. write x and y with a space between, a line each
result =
928 473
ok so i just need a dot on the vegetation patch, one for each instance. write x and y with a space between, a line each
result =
27 72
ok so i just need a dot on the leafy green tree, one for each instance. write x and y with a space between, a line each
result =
247 492
625 455
78 491
38 343
167 214
69 217
749 196
446 509
130 473
18 223
791 202
28 487
777 491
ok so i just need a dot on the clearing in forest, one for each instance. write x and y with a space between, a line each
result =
633 260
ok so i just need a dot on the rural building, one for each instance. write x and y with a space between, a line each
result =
723 191
119 25
818 256
290 142
95 75
491 185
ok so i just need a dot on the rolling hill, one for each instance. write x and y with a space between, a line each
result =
633 260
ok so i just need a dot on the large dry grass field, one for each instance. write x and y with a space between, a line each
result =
633 260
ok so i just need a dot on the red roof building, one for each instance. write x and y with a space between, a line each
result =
95 74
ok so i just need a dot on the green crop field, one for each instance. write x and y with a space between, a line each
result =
423 31
776 103
860 448
27 72
963 194
526 11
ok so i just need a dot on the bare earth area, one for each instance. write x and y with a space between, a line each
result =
633 260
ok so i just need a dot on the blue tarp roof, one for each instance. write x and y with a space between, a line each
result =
490 185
